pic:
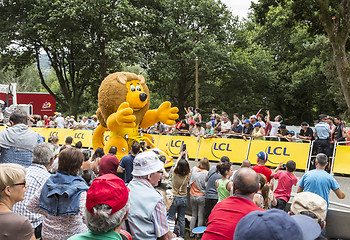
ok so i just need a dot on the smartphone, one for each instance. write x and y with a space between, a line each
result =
183 147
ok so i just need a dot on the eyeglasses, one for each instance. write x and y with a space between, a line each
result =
16 184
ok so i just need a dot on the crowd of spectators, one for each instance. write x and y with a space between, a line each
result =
62 192
256 126
61 121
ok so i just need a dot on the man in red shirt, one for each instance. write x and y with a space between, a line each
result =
227 213
261 168
109 163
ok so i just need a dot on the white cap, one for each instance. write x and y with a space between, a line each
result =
253 116
146 163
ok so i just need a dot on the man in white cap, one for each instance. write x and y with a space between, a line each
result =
147 217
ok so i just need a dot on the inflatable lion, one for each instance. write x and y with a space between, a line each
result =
123 101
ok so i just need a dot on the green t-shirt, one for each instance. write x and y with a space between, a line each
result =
96 235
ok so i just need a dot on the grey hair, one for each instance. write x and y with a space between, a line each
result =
101 221
19 116
322 159
43 153
209 124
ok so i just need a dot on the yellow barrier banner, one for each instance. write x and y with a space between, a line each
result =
280 152
84 136
50 132
172 145
341 159
215 148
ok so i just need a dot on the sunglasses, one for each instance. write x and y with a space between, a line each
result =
16 184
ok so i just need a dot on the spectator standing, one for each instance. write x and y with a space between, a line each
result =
237 129
247 129
320 182
91 124
86 170
267 127
264 198
258 132
286 180
211 193
322 134
46 121
109 163
225 126
107 206
274 124
306 133
198 131
181 178
62 199
95 159
36 176
226 214
253 119
59 121
18 141
83 123
312 205
260 167
147 215
197 191
260 120
126 164
223 184
282 132
197 116
339 135
13 187
68 142
209 131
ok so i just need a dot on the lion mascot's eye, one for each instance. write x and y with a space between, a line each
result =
132 88
138 88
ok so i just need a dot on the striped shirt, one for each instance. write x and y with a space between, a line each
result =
159 215
36 177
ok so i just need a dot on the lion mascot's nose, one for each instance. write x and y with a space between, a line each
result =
143 97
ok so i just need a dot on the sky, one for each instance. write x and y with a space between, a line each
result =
239 7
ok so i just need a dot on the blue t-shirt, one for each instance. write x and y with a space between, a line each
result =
319 182
322 130
127 164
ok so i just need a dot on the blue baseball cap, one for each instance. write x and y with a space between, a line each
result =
257 124
263 155
291 132
276 224
246 121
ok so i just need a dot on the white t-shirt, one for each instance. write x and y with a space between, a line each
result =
263 125
225 126
60 122
274 128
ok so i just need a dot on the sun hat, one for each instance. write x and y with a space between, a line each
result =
246 121
107 189
308 201
257 124
263 155
276 224
146 163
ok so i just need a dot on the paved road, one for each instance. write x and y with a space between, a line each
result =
344 183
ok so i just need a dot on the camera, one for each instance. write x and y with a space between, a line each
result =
183 148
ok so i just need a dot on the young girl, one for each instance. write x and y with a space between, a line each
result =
264 198
224 185
197 191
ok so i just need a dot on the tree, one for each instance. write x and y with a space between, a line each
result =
336 22
172 34
74 34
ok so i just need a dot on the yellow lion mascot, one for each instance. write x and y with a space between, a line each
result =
123 101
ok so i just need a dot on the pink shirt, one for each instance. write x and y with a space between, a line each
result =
286 181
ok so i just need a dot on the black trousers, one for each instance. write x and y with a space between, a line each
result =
323 146
209 205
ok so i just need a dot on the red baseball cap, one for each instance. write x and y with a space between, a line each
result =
107 189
